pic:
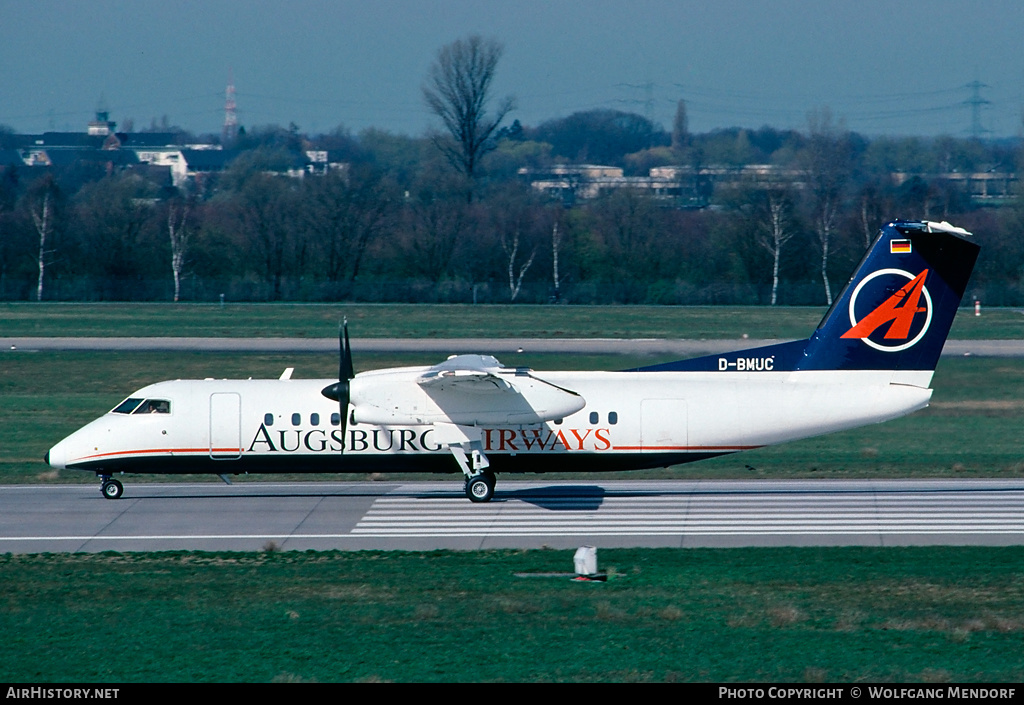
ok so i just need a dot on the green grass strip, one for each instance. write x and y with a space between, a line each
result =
446 321
930 614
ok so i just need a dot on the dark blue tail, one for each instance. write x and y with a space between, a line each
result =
898 308
894 314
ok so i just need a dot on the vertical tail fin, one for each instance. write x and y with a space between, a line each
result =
897 309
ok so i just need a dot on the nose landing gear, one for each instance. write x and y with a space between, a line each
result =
111 489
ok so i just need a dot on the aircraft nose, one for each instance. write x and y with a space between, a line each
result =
56 457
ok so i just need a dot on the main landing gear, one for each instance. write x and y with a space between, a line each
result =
111 489
480 487
479 480
466 446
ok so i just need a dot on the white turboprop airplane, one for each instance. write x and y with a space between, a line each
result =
871 359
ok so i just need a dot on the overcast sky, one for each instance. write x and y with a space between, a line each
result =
886 67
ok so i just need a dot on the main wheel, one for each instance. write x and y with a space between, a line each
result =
112 489
480 488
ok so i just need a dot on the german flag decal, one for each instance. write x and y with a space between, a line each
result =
899 247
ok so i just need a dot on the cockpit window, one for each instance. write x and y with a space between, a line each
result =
154 406
127 406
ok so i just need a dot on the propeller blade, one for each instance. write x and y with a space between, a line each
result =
345 374
346 355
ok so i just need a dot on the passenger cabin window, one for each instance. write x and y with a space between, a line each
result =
296 419
593 417
613 418
268 419
154 406
335 419
314 419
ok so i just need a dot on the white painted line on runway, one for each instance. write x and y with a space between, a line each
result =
175 537
862 512
562 531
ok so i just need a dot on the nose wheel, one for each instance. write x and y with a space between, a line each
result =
480 488
111 489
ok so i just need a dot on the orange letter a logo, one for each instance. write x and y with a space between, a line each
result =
900 308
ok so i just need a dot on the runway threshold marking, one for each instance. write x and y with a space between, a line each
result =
985 513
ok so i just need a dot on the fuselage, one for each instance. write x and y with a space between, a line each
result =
629 420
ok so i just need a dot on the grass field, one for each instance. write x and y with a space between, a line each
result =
807 615
447 321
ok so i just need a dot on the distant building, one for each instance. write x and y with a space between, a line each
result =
102 125
158 156
570 182
984 188
322 161
692 187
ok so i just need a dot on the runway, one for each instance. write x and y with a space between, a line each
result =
253 516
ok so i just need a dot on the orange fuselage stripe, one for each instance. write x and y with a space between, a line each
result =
206 451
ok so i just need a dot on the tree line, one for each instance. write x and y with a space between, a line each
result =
448 217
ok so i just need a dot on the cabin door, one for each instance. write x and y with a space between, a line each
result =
225 426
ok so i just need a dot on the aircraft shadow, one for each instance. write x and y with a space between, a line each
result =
556 498
559 498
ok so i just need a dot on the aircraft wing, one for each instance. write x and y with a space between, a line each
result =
479 383
480 373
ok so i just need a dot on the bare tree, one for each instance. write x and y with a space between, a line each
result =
556 241
8 186
680 129
510 243
41 204
874 206
828 169
267 224
457 91
627 224
778 231
113 222
435 223
345 213
178 210
513 213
